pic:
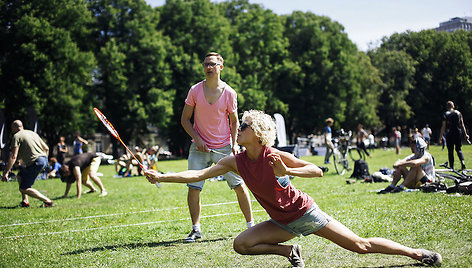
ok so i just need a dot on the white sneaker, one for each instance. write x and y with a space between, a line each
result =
104 193
431 258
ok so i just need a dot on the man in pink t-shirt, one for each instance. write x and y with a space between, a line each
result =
213 105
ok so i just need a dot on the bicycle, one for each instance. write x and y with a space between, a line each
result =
343 148
462 181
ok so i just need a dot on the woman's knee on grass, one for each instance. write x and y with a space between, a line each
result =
241 245
246 240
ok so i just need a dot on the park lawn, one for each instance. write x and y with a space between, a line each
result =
139 225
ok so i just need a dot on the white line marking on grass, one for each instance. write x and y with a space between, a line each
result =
120 226
113 214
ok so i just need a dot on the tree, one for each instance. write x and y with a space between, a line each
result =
443 73
261 48
195 28
323 77
397 71
133 77
43 64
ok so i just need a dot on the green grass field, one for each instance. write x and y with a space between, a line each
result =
138 225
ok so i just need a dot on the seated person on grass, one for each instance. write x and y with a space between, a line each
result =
121 164
421 164
265 171
151 157
54 167
79 169
133 163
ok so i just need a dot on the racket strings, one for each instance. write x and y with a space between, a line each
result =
106 123
113 131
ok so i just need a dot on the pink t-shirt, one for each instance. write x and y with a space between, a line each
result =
283 204
211 121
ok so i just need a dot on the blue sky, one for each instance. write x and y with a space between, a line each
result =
367 21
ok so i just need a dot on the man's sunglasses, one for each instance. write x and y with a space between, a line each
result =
210 64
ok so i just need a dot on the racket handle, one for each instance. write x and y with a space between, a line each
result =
158 185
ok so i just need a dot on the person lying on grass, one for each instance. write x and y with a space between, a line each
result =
265 171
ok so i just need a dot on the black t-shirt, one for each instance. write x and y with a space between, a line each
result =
452 118
81 160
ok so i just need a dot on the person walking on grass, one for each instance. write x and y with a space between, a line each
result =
398 139
361 137
426 132
293 213
453 127
327 139
30 148
213 105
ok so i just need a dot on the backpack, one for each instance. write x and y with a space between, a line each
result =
361 170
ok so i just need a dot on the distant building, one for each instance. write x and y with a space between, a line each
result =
455 24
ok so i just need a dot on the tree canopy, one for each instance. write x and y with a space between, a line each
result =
137 64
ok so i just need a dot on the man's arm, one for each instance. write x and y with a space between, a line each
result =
411 162
82 140
45 147
10 163
443 128
223 166
63 150
234 121
187 113
461 122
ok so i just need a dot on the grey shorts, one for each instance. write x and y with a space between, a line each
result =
313 220
199 160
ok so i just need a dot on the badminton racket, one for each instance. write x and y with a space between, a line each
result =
115 134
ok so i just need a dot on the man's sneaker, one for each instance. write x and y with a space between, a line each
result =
431 258
48 205
398 189
389 189
296 256
104 193
193 236
24 204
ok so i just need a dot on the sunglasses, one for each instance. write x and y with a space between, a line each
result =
243 126
210 64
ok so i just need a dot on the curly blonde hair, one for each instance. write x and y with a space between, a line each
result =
263 126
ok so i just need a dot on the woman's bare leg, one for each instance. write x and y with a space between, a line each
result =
344 237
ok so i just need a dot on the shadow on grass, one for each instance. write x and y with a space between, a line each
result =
54 199
12 207
393 266
139 245
62 197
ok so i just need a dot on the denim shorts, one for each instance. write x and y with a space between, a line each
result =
313 220
199 160
28 174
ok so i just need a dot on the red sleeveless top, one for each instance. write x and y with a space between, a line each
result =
283 204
